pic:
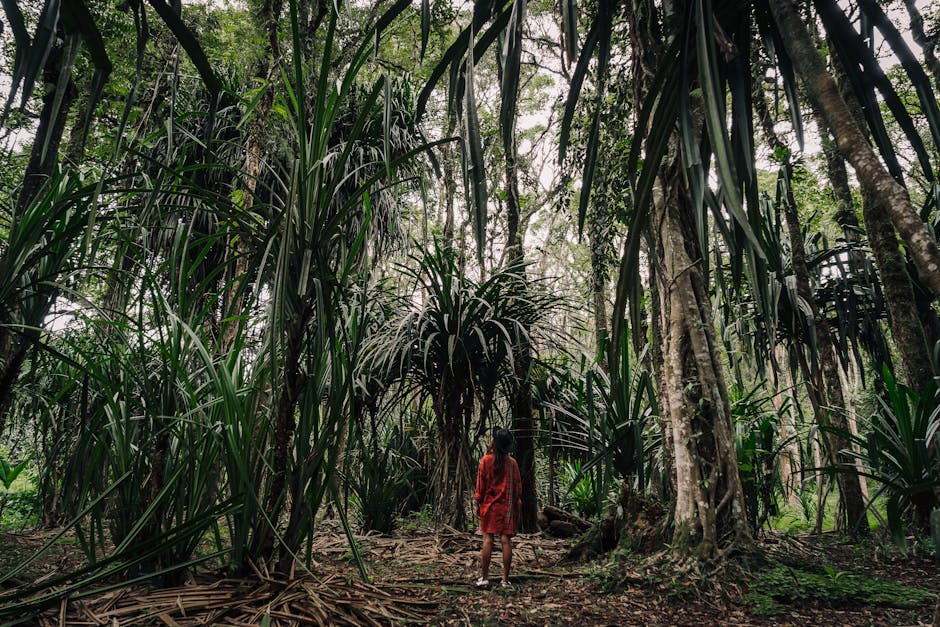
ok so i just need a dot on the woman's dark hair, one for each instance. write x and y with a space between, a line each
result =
502 440
502 444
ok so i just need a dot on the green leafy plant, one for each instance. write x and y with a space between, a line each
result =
455 351
757 448
9 472
381 478
902 452
783 584
584 493
613 426
19 509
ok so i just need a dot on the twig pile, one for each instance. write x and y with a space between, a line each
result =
243 602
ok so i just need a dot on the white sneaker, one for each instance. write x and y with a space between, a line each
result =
505 584
482 583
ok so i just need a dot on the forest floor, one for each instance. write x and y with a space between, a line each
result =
426 576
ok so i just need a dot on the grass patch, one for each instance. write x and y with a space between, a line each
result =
19 505
783 584
795 519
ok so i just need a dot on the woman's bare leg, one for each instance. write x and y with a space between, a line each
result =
507 555
485 554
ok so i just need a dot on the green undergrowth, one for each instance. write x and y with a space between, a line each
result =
781 584
19 505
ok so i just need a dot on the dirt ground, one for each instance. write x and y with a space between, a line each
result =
426 576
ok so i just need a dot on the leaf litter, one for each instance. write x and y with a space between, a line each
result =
425 576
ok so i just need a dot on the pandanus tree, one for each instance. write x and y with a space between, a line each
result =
454 351
345 150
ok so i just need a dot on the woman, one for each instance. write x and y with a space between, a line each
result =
499 500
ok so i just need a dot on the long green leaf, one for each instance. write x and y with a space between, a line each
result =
865 74
474 165
512 64
425 25
714 99
574 89
453 58
605 19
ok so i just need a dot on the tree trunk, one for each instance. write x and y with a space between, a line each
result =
454 473
833 407
293 381
845 216
709 510
49 131
449 165
268 17
784 399
905 324
521 403
852 143
599 276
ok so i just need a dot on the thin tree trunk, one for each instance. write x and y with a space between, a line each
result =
268 17
850 381
49 131
667 480
521 402
292 384
851 230
833 412
523 425
852 143
75 149
449 165
599 275
784 401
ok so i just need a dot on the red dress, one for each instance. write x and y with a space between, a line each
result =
499 495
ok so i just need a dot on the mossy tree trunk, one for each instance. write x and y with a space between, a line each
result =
710 518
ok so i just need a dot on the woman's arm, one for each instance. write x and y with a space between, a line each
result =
480 489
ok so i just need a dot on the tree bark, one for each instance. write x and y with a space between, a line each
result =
784 399
709 510
268 17
834 412
449 164
845 216
906 326
522 424
853 144
599 296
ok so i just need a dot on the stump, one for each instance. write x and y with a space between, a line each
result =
638 524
